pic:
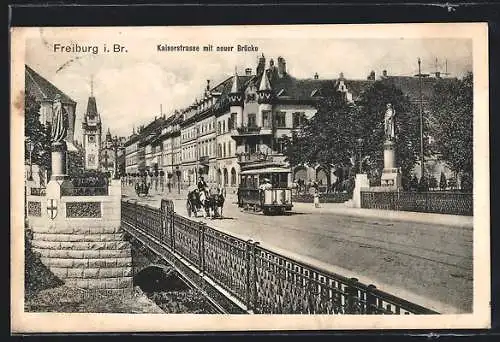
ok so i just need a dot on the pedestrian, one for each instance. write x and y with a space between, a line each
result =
316 198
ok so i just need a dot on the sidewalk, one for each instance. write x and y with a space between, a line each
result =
405 216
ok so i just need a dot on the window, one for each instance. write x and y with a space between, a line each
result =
250 97
229 149
232 121
218 128
219 152
223 126
298 119
91 139
266 118
224 150
233 177
280 145
280 119
252 120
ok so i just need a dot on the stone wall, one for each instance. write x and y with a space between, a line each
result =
83 244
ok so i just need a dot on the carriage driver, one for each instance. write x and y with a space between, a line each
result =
202 185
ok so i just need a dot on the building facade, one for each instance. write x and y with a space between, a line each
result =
239 125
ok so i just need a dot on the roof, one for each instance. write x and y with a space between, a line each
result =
266 170
91 108
42 89
411 86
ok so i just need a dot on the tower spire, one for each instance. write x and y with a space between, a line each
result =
92 85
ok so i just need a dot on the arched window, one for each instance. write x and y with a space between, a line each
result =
225 177
233 177
219 176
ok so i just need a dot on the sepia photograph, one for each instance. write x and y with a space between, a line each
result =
250 177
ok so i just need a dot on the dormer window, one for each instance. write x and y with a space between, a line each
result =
282 92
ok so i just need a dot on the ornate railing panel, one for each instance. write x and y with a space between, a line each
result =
34 208
187 238
83 209
226 260
265 281
37 191
440 202
85 191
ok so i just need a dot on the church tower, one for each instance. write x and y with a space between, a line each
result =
91 127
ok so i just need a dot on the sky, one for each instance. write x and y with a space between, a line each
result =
130 87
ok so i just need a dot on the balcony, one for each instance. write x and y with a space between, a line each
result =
251 130
246 157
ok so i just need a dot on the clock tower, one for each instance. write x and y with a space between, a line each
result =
91 128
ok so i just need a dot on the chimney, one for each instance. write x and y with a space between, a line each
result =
208 85
248 71
384 73
316 76
281 67
261 65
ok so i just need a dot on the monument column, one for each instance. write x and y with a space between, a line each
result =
391 176
58 178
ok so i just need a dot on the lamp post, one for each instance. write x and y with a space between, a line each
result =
115 145
359 148
178 173
31 147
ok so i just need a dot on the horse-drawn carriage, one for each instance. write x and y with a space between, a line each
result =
276 197
207 201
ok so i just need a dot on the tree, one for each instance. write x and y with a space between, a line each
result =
442 181
76 161
452 118
36 132
326 138
370 126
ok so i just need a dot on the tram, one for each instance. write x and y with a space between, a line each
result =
275 200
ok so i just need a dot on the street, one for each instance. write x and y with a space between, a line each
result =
428 264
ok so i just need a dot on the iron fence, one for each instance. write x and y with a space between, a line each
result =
334 197
265 281
439 202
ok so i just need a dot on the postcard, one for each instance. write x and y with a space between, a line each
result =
246 178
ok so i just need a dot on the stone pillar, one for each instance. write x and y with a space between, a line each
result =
389 155
361 182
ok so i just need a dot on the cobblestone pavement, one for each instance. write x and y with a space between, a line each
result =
429 264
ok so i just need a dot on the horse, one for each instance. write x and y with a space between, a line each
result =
193 202
216 202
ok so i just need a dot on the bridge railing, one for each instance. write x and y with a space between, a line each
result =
264 280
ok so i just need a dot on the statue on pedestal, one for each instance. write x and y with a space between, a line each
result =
59 129
389 118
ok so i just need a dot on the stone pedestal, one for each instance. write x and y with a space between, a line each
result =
361 182
80 240
391 175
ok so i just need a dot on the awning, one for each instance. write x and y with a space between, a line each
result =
266 170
